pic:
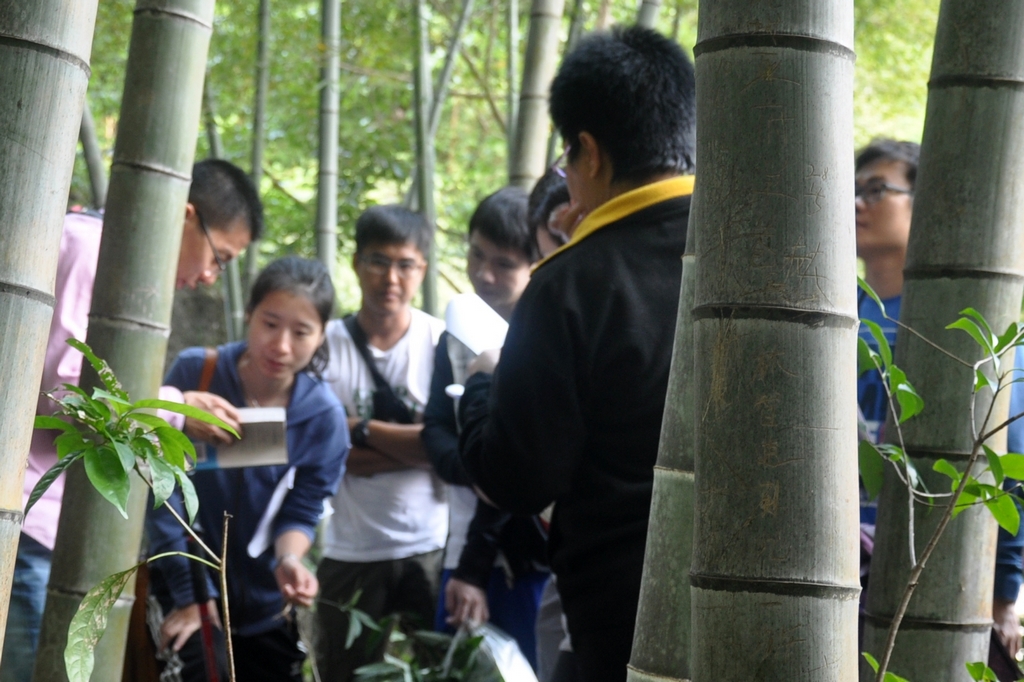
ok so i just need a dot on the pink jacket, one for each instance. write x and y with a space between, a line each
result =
76 273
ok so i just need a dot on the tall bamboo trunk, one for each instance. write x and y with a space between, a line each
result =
647 15
44 69
259 127
512 77
422 98
965 251
330 101
661 643
531 137
93 158
575 32
775 559
131 305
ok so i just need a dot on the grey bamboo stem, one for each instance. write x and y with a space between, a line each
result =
970 165
93 158
44 70
661 642
149 185
775 570
647 15
512 77
259 125
327 178
531 137
424 148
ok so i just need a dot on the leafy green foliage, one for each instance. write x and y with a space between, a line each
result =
872 468
89 623
981 672
889 677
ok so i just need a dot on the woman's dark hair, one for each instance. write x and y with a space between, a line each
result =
884 149
501 218
300 277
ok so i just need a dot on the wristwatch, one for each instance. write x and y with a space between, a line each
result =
360 433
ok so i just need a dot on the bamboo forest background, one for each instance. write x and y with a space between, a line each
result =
376 131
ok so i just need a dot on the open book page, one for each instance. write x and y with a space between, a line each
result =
475 323
263 442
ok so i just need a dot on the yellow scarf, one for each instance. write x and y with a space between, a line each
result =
623 205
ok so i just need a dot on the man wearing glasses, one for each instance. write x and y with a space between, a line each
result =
390 522
885 174
222 215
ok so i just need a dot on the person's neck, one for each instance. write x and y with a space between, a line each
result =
384 329
262 391
884 273
622 186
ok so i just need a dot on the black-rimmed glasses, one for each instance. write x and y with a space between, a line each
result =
873 192
221 265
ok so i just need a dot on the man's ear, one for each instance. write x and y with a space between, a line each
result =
589 159
190 211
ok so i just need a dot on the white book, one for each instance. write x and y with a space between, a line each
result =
263 442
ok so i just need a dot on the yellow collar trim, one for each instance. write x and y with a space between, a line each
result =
623 205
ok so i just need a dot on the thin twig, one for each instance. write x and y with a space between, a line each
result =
492 105
193 557
184 525
448 279
928 341
224 599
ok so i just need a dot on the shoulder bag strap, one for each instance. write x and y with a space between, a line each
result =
209 365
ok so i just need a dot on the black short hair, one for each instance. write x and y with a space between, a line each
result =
299 277
885 149
549 193
393 224
501 218
222 193
632 89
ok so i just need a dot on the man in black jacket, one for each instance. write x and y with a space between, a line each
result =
573 413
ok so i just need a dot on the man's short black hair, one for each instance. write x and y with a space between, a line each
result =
501 218
222 193
549 193
632 89
393 224
885 149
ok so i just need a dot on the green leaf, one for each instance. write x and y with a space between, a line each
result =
893 677
162 477
1005 512
150 420
187 410
870 659
103 466
1013 465
981 321
50 476
126 456
1008 338
975 332
48 422
867 359
89 623
994 464
175 446
355 628
188 494
69 442
980 380
964 502
981 672
910 402
119 404
102 369
943 467
866 288
883 344
872 468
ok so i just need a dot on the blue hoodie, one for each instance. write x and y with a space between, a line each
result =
317 438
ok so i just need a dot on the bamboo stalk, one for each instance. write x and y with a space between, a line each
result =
775 574
327 177
647 15
511 78
975 100
259 124
531 136
424 148
44 71
93 158
131 305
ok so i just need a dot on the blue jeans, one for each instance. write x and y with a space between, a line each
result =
28 597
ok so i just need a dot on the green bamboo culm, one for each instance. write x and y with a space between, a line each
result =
965 251
327 177
661 642
532 123
45 48
647 14
775 569
425 156
131 305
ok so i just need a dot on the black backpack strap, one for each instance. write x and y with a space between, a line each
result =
387 405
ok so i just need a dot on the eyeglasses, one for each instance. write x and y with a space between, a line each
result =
873 192
559 165
381 266
221 264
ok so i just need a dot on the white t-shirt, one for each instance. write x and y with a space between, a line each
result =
397 514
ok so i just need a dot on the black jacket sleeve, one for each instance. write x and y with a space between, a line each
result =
440 431
481 548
